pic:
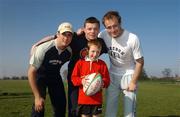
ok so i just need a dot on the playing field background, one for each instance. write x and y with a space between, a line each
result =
155 99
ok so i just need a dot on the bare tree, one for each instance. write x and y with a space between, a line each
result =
167 72
143 75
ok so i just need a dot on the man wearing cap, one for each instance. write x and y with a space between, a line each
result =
44 71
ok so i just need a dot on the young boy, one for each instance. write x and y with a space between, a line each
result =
90 106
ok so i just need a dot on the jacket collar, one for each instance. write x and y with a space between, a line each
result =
88 59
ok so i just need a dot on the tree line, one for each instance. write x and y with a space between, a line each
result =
166 73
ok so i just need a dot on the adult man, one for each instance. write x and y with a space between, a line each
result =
126 63
43 72
79 45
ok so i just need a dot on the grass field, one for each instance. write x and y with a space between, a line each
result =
155 99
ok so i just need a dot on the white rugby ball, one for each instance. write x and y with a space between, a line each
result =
93 84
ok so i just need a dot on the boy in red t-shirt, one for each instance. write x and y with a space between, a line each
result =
89 106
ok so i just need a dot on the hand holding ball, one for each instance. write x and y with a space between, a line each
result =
92 83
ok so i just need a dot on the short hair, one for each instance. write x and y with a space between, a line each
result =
92 20
111 15
95 42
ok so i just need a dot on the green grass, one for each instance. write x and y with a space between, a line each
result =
158 99
16 99
155 99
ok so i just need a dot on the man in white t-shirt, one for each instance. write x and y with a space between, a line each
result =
126 64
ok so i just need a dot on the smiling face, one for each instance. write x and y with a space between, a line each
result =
64 39
94 49
91 31
112 23
113 27
94 52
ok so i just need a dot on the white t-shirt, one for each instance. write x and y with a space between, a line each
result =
122 52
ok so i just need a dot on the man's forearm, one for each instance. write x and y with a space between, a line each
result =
32 81
138 69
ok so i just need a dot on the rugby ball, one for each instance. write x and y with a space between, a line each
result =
93 84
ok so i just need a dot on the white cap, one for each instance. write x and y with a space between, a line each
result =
65 27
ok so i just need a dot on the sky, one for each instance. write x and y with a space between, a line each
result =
24 22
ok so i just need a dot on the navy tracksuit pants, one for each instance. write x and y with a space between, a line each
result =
56 93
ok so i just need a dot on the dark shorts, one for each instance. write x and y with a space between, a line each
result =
89 109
